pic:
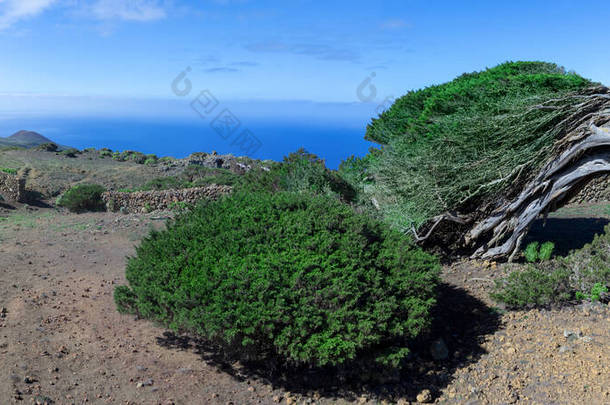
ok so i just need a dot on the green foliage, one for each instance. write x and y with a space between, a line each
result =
531 252
597 290
47 147
299 172
8 170
546 251
584 273
470 139
534 286
70 152
105 153
535 252
287 276
151 159
83 197
124 298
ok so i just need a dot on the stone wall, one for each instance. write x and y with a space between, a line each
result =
597 190
12 187
144 201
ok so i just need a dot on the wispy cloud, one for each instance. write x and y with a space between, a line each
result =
395 24
221 70
318 51
12 11
129 10
245 63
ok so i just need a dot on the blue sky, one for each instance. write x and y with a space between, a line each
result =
95 55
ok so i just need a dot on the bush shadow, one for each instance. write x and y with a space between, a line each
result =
566 233
460 323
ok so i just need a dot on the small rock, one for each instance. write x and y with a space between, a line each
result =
29 380
424 397
566 349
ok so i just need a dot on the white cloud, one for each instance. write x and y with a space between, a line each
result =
395 24
12 11
130 10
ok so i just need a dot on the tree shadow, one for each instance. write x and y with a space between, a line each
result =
566 233
36 199
460 321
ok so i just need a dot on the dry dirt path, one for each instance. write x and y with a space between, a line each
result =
61 338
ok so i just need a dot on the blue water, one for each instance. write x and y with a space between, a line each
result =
269 139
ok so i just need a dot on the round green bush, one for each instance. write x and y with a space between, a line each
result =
83 197
292 277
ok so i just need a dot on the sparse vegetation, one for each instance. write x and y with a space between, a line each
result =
286 276
83 197
48 147
70 152
584 273
8 170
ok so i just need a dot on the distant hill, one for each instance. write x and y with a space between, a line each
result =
24 139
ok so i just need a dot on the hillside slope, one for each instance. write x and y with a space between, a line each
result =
24 139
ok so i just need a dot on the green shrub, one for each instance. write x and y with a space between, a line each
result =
531 252
47 147
133 156
546 251
584 273
105 153
150 159
70 152
597 291
7 170
535 252
286 276
534 286
83 197
300 172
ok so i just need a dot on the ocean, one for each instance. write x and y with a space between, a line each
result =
257 138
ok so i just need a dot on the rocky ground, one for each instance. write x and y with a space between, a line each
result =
62 341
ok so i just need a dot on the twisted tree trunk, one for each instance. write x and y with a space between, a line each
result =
582 153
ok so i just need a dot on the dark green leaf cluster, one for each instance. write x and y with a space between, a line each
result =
299 172
83 197
288 276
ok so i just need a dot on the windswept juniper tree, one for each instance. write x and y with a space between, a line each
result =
469 164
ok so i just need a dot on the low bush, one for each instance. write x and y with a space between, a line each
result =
535 252
83 197
282 276
105 153
7 170
584 273
47 147
299 172
534 286
70 152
